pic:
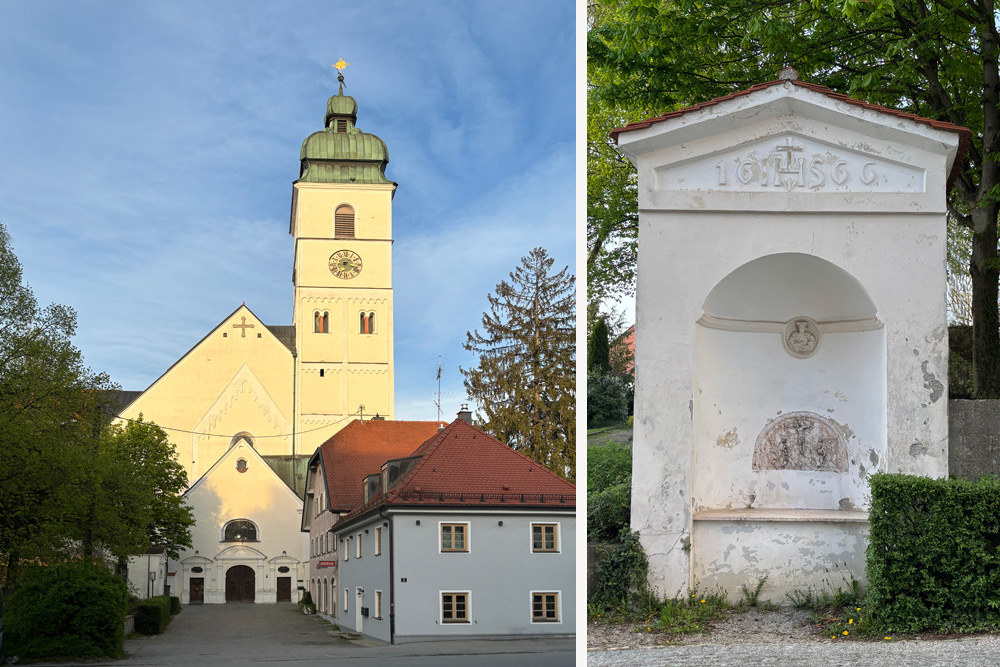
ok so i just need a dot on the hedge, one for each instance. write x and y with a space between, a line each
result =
175 605
933 556
152 615
609 491
73 609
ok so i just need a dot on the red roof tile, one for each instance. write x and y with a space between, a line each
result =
461 465
360 449
965 135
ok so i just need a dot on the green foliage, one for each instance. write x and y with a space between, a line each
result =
70 609
152 615
599 348
609 491
525 379
622 570
691 615
175 605
609 398
936 59
751 598
934 554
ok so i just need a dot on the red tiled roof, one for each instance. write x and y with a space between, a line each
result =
360 449
965 135
461 465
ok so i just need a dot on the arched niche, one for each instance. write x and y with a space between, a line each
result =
789 388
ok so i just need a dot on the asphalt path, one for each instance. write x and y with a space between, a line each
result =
249 634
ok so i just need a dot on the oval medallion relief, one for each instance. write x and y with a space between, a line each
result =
801 441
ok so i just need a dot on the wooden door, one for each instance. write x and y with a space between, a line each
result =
197 590
240 581
284 589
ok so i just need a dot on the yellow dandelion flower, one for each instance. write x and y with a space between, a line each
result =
648 630
858 608
703 602
850 620
846 633
887 638
833 636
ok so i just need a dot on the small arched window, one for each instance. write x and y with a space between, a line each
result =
240 530
241 465
343 222
321 322
368 323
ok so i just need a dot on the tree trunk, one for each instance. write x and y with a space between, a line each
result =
983 265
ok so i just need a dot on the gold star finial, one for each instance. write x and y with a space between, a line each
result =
340 66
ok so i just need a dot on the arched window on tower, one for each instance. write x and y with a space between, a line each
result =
321 322
367 323
343 222
240 530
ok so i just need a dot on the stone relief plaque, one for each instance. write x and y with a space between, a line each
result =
801 441
801 337
789 163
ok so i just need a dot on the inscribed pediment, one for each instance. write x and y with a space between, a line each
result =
789 162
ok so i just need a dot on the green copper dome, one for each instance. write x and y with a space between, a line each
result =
342 153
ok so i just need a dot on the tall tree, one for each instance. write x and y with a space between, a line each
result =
935 58
525 381
599 348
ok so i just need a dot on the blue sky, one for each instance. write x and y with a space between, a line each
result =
147 152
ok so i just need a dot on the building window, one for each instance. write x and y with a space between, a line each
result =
341 125
358 555
545 607
321 322
240 530
378 541
455 607
241 465
454 537
343 222
378 605
367 323
347 549
544 538
347 599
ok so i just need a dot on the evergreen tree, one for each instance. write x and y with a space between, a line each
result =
599 349
525 382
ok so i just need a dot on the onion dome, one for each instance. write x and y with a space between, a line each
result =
341 153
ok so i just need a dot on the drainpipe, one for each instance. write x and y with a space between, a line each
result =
295 377
392 579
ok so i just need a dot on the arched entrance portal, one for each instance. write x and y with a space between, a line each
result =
240 584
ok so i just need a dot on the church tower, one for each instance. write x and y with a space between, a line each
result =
341 222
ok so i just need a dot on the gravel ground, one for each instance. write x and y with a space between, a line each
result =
783 638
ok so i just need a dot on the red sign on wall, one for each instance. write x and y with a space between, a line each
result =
327 563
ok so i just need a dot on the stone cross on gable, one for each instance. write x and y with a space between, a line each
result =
243 327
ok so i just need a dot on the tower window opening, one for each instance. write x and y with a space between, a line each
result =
343 222
321 322
321 372
368 323
341 125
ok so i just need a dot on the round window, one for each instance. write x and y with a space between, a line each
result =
197 570
241 465
283 569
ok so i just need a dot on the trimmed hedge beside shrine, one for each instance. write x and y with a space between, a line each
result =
934 554
152 615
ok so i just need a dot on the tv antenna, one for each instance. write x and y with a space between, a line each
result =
438 401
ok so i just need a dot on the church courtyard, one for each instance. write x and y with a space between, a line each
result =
257 634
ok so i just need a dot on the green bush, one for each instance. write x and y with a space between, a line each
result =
175 605
609 398
609 490
74 609
933 556
621 573
152 615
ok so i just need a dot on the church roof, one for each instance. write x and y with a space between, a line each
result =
342 153
965 135
285 333
291 470
463 467
360 448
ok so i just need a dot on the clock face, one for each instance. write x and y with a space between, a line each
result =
345 264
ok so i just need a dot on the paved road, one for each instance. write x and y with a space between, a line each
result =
972 652
247 634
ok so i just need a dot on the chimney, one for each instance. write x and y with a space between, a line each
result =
465 414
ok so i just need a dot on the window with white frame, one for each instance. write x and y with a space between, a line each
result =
544 538
545 607
347 599
454 537
455 607
358 554
378 541
378 605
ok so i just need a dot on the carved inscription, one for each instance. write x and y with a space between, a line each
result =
801 441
